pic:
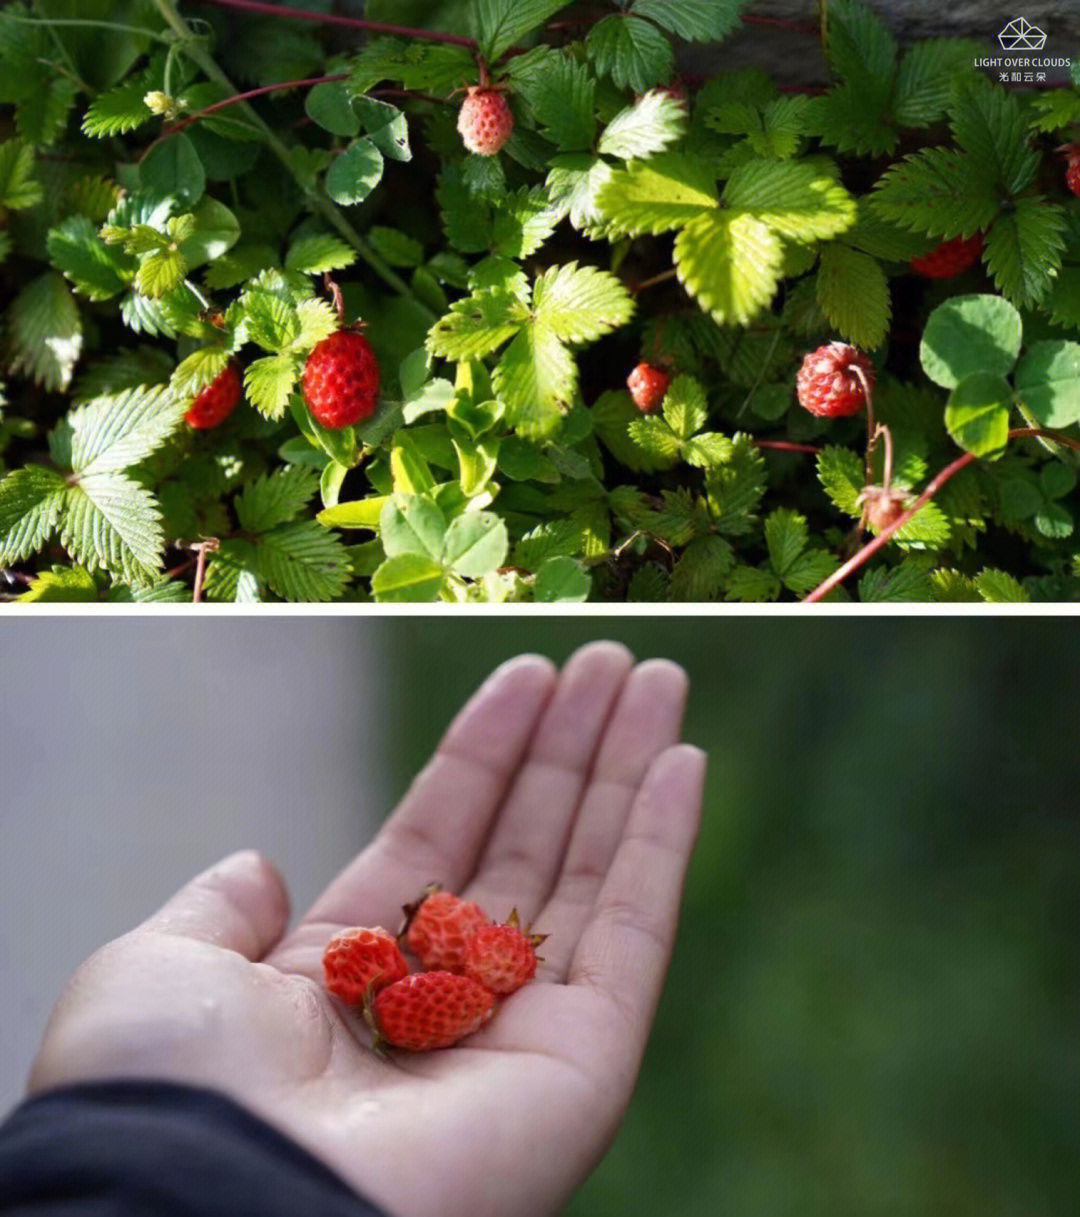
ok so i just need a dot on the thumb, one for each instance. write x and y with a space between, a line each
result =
240 904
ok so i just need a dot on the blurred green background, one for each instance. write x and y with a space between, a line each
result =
873 1006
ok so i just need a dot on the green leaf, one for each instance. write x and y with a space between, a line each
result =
117 111
114 432
408 577
655 440
708 450
1063 302
386 127
276 498
925 79
216 230
997 587
476 544
268 320
650 125
18 187
76 249
412 524
361 513
685 407
841 473
694 20
580 303
561 579
317 319
1048 382
173 169
302 561
63 585
501 23
977 413
112 524
853 293
751 584
31 503
968 334
476 325
632 52
355 173
656 195
45 332
160 273
317 254
330 107
908 583
860 46
524 221
536 379
796 198
786 536
414 64
200 368
701 570
562 95
988 123
730 263
1023 249
938 192
395 247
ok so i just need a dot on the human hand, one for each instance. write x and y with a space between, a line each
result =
565 795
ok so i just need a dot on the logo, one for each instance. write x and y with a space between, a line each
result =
1021 35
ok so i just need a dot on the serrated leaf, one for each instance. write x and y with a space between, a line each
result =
694 20
925 78
160 272
31 502
730 263
412 63
1063 303
752 585
61 585
655 440
270 381
477 325
317 254
685 407
850 121
786 536
476 544
523 222
999 587
841 473
18 186
701 570
977 413
656 195
563 97
908 583
536 379
467 223
302 561
198 370
45 332
860 46
112 433
408 577
1023 249
853 293
268 320
708 450
650 125
580 303
937 192
112 523
395 247
969 334
1048 382
632 52
795 198
95 271
276 498
988 124
501 23
355 173
117 111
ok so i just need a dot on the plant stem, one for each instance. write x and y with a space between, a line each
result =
321 203
883 538
662 277
97 25
783 445
356 23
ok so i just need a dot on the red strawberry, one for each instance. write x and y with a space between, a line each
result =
360 959
341 379
828 386
429 1010
1072 175
213 405
502 957
484 120
647 385
439 926
950 258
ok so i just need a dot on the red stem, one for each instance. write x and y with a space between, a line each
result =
883 538
783 445
356 23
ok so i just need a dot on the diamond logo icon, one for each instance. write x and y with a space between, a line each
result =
1021 35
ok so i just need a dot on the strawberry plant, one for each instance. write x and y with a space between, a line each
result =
495 306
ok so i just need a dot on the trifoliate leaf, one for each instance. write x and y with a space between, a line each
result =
580 303
796 198
632 52
112 433
276 498
656 195
45 332
988 123
408 578
977 413
477 325
355 173
112 523
1023 249
31 502
303 561
650 125
937 191
730 264
853 293
476 544
536 379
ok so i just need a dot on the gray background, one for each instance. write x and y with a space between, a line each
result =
134 753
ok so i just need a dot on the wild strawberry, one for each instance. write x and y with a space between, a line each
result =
882 508
484 120
950 258
429 1010
341 379
1072 176
502 957
362 959
213 405
827 383
439 926
647 385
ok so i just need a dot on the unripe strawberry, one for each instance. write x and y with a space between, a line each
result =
826 384
950 258
1072 176
485 120
361 959
429 1010
882 508
647 385
213 405
502 957
341 379
439 927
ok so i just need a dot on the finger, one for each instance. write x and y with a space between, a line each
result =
439 828
625 948
240 904
518 865
647 720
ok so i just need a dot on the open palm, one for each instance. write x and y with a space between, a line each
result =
563 794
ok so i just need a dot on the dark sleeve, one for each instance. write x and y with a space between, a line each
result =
154 1149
